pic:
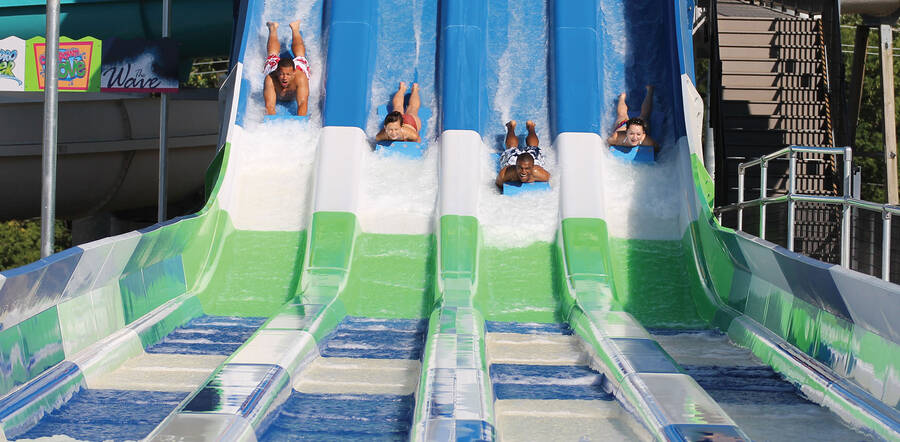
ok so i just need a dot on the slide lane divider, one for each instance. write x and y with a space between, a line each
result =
641 375
455 398
243 396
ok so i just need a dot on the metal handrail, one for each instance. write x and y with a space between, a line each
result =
792 197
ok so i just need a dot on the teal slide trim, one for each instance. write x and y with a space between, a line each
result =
207 33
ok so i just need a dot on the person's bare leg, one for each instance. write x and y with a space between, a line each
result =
647 105
414 102
412 107
532 138
511 139
297 46
397 101
621 109
272 45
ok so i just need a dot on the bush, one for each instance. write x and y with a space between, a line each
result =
20 241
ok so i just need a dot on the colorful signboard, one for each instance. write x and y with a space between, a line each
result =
79 64
12 64
139 65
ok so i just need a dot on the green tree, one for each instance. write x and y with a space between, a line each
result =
20 241
868 152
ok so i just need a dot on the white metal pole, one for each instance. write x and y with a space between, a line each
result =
740 211
792 189
845 216
163 120
763 182
51 113
886 246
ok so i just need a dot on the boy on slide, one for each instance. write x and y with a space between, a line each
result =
400 124
521 165
632 132
282 83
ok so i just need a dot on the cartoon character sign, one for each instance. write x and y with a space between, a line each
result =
12 64
78 62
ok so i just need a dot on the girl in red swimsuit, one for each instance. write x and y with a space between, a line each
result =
400 124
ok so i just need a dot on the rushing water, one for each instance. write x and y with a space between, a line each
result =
518 51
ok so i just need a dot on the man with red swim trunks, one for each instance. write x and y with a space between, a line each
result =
400 124
282 83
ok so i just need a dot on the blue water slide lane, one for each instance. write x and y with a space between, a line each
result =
645 384
243 397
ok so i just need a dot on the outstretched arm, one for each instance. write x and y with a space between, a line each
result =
381 136
502 178
613 139
269 95
302 95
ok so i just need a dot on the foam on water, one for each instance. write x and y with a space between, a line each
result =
639 200
638 197
54 438
272 162
517 87
384 208
273 175
519 220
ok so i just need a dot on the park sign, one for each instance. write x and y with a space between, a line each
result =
79 64
12 64
139 65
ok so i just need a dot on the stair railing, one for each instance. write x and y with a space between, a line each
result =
793 7
792 197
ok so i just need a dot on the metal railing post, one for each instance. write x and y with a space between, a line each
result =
763 182
162 188
792 189
886 246
51 115
845 216
740 210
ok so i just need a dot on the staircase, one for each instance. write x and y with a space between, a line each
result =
774 93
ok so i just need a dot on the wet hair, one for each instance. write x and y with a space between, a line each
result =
637 122
525 157
286 62
392 117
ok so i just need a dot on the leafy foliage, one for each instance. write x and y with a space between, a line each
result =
207 73
868 151
20 241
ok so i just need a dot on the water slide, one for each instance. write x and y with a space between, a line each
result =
327 291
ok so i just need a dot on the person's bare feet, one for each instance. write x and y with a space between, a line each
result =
415 87
295 25
530 125
622 96
649 89
402 87
511 125
273 26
